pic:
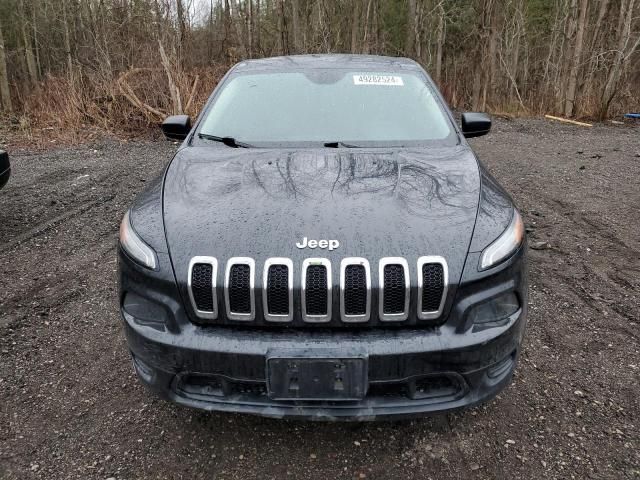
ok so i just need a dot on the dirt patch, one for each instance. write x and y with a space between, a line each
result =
70 406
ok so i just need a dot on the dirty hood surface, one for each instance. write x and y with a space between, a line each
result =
259 203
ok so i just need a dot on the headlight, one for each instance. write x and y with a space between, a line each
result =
496 309
135 246
505 245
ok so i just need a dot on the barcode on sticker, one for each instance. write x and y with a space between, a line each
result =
391 80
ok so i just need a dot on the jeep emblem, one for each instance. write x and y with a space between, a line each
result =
330 244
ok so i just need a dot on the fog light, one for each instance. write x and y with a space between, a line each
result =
496 309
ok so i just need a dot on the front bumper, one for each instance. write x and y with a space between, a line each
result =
411 372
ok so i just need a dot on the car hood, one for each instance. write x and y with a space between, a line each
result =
259 203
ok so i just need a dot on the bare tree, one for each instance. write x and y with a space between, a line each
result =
182 29
355 25
5 94
625 49
410 38
67 38
295 20
440 38
91 57
28 51
572 81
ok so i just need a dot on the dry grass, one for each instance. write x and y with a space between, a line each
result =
78 107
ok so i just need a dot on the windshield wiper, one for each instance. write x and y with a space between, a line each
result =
339 144
228 141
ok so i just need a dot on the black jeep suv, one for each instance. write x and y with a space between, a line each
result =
326 245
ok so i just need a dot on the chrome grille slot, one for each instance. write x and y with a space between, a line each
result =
355 290
316 290
277 295
201 284
355 286
394 289
239 286
432 287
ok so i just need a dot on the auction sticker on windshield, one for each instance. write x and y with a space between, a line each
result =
390 80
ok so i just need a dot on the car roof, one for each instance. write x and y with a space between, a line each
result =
324 61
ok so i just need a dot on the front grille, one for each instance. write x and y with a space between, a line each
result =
277 295
393 277
391 289
240 289
355 294
355 290
394 289
239 286
201 286
316 290
316 294
432 286
278 290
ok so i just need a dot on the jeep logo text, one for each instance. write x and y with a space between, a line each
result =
330 244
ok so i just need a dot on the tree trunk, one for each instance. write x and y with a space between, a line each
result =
176 101
67 38
256 24
210 36
5 94
28 52
226 20
366 37
355 25
239 28
566 53
570 98
586 85
34 27
182 29
410 39
282 29
295 18
251 29
440 38
622 55
492 51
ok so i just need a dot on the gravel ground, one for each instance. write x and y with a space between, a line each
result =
70 406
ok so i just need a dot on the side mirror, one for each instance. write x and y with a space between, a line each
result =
176 127
475 124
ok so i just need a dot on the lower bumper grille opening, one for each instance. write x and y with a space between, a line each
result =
200 385
435 387
204 385
245 388
388 390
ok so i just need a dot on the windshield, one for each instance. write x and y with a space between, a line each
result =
353 108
